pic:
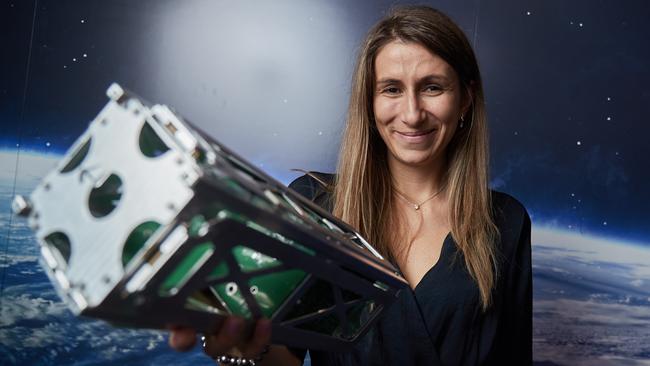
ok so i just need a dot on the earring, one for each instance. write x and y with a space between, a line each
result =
462 122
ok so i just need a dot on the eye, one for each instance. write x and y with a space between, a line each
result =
391 90
433 89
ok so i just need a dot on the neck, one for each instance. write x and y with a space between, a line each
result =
417 183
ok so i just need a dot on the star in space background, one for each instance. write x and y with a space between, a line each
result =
567 88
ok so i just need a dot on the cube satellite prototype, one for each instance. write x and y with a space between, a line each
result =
149 222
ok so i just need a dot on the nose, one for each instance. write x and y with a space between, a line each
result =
412 113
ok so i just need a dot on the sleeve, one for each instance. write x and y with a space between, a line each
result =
316 187
305 185
520 301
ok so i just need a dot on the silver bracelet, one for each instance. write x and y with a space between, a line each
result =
232 360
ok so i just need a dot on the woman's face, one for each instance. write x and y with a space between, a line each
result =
417 103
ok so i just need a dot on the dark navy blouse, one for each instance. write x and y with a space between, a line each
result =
440 322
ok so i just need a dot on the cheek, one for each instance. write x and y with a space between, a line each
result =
384 110
445 109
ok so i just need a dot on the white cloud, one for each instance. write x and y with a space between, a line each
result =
590 312
32 167
16 308
637 283
591 249
12 260
591 332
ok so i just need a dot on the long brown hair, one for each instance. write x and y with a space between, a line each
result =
363 193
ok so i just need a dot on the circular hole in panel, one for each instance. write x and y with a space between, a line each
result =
229 295
136 239
231 288
150 143
59 245
104 198
77 157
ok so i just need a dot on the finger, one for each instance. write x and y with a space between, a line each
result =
261 338
229 335
182 339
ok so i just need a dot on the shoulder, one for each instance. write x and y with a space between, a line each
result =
512 220
311 180
508 208
315 186
309 184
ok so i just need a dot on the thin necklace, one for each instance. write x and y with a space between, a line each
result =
417 206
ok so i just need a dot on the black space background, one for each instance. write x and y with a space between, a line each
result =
567 89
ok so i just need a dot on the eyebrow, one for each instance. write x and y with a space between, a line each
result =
426 79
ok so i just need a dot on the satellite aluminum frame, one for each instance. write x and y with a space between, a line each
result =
149 222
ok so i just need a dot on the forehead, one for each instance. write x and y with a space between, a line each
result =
399 60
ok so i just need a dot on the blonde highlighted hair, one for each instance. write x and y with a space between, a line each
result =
363 193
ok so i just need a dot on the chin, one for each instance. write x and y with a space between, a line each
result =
411 159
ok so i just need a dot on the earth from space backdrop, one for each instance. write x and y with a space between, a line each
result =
566 87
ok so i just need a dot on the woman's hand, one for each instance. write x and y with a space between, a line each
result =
229 339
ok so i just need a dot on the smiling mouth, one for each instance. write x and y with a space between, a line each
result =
415 134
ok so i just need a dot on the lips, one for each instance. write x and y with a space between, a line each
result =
415 137
414 134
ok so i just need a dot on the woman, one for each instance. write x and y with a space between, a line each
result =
413 179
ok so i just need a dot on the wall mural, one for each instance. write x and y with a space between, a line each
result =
566 87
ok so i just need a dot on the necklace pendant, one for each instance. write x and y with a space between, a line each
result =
416 207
